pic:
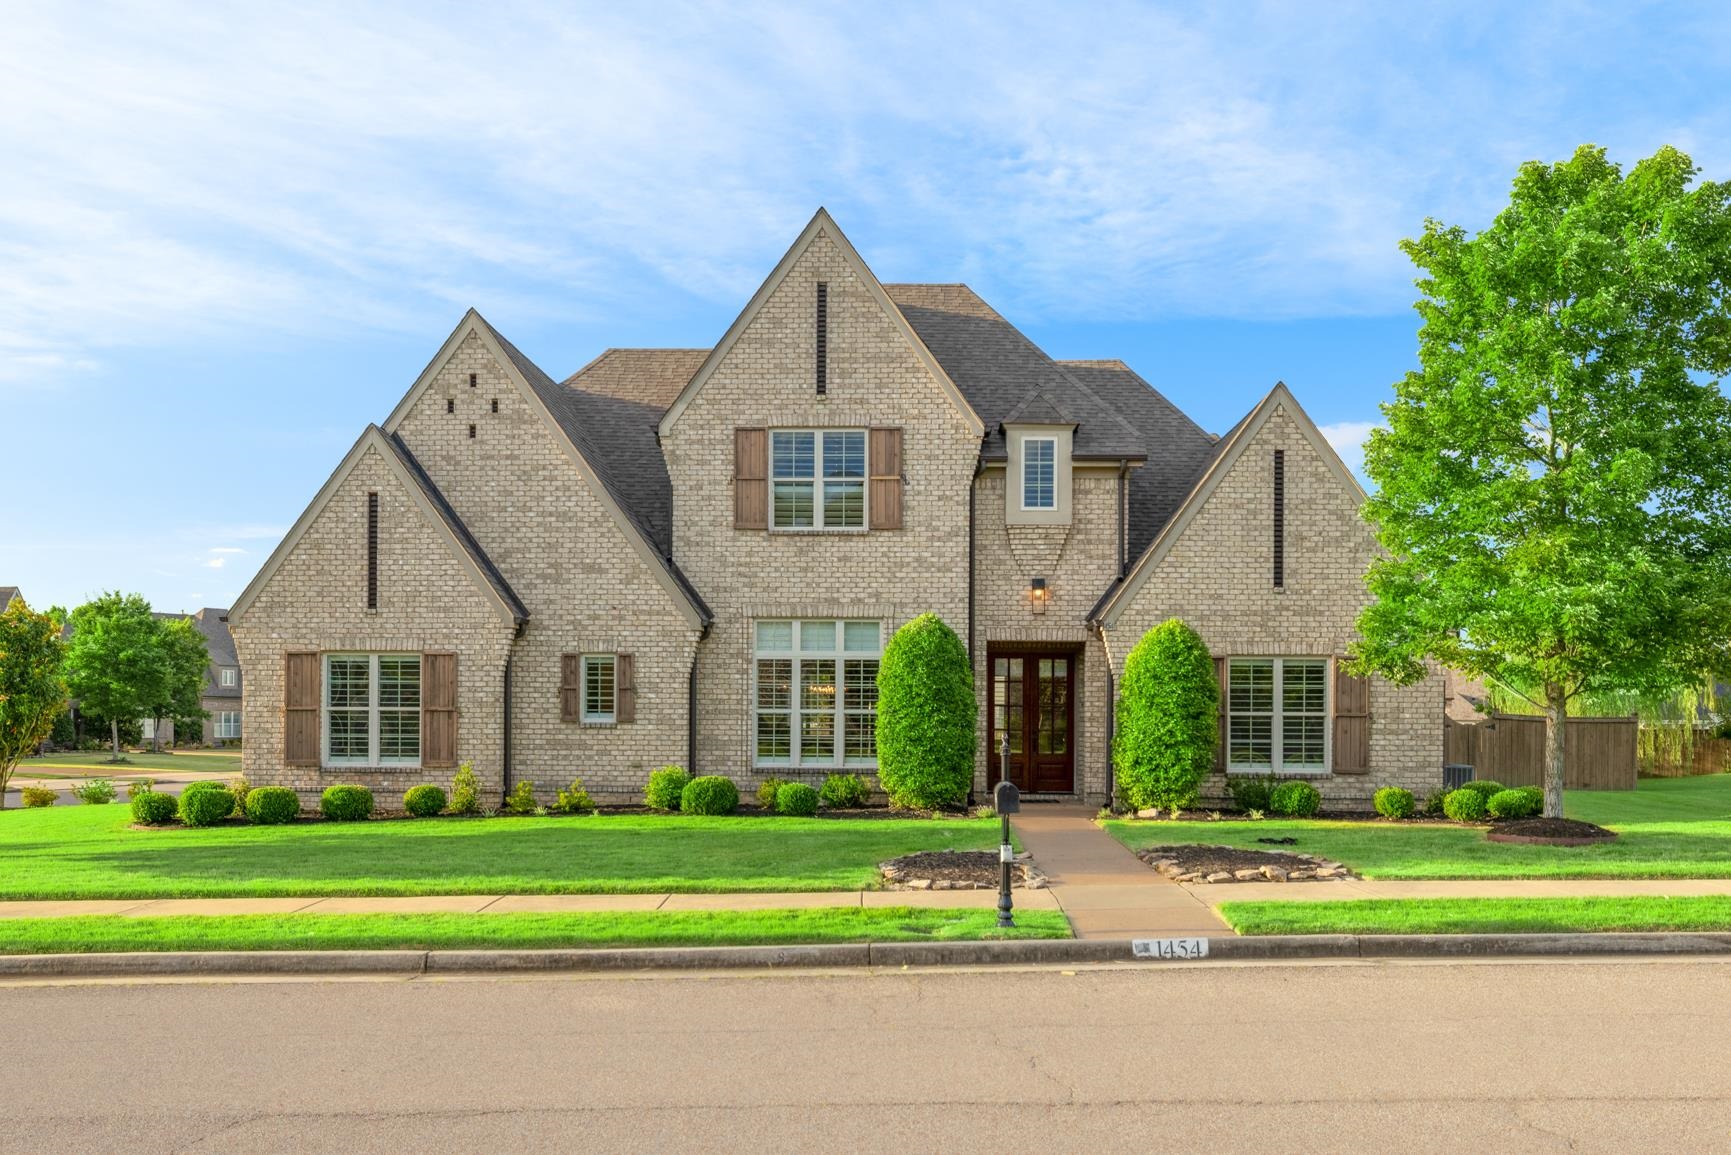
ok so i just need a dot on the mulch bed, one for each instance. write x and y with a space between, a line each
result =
1549 832
957 870
1235 864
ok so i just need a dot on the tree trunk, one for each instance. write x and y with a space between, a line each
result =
156 735
1556 732
114 733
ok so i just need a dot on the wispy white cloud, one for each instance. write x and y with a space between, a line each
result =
1347 438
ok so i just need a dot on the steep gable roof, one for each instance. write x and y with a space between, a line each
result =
821 224
1224 455
426 496
7 593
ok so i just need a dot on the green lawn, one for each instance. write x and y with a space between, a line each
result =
1670 827
1479 915
512 931
97 765
92 852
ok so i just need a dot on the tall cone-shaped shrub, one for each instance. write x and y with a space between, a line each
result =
1168 718
926 717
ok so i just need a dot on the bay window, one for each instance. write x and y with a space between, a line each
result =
1277 715
815 692
372 709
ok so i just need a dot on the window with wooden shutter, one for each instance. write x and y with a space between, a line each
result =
886 478
1351 721
625 673
438 710
1220 738
301 709
751 479
570 687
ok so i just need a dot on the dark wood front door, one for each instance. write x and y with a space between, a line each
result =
1033 703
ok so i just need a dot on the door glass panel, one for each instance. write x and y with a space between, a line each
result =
1054 706
1013 705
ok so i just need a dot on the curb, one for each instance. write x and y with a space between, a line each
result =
1269 948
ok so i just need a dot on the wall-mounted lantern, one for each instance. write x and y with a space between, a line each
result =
1038 595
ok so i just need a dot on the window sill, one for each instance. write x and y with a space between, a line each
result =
1243 772
598 723
356 768
820 531
850 768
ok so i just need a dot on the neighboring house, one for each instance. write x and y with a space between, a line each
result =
8 595
221 699
695 556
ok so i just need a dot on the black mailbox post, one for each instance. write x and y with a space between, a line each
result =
1006 800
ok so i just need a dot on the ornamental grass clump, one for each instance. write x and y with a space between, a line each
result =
665 787
926 717
1168 718
796 800
710 794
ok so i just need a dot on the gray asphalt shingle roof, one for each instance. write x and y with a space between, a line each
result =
7 593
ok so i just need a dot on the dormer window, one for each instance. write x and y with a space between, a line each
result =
1037 474
1040 473
229 676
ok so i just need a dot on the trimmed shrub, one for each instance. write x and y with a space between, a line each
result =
273 805
95 792
205 807
465 791
710 794
1464 805
797 800
424 801
1486 789
35 796
521 800
926 717
1295 800
1514 804
150 808
1394 802
346 803
575 800
1168 718
665 788
766 791
1251 793
844 792
1433 803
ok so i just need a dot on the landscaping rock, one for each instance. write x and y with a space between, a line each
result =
1218 876
1248 874
1274 874
1237 864
920 884
957 870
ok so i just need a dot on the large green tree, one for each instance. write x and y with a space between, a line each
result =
32 691
1554 482
115 662
185 663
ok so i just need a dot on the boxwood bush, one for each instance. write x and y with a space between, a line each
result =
1464 805
710 794
844 792
1526 802
346 803
205 804
1394 802
273 805
1485 789
926 717
766 791
796 799
151 808
1295 800
1168 718
666 785
424 801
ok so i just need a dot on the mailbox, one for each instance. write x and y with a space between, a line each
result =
1006 799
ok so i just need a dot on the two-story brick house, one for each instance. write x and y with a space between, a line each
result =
695 556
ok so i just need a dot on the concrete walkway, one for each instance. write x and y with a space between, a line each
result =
1103 889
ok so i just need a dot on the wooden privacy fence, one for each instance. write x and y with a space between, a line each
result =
1702 756
1598 753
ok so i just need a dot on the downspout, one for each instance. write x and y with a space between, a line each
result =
1100 632
506 771
1111 717
973 487
691 703
1123 516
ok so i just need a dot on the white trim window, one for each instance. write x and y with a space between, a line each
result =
228 677
1277 715
1040 473
600 687
227 724
372 710
816 693
817 479
147 729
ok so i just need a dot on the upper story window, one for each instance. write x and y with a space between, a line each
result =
228 676
817 478
1040 473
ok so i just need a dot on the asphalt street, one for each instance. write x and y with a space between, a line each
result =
1461 1057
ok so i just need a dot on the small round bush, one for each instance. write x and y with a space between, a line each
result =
201 787
766 791
1295 800
1394 802
273 805
1168 718
1250 793
1486 789
35 796
797 800
665 788
926 717
1514 804
424 801
150 808
346 803
205 807
710 794
1464 805
844 792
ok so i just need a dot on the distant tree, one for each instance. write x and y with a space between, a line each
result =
115 663
32 690
1168 718
185 662
1554 484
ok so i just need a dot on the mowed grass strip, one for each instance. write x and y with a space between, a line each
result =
140 765
107 933
1670 828
1480 915
67 852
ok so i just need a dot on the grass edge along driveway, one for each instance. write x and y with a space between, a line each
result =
74 852
1481 915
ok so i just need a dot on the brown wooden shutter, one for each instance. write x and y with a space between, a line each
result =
570 687
300 701
1220 677
751 479
625 687
1351 721
438 710
886 478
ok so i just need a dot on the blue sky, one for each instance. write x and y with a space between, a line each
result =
228 240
